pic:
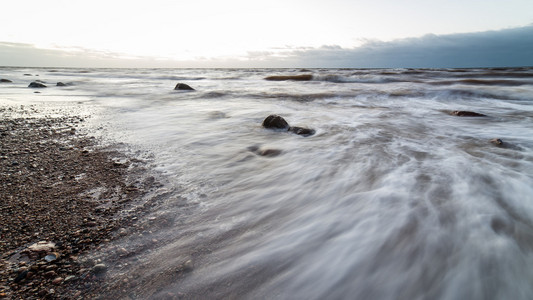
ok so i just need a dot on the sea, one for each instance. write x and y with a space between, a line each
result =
393 197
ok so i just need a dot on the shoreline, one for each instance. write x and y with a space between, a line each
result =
62 195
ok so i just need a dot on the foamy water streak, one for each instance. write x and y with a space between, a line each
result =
393 197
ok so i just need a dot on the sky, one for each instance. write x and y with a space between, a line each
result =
273 33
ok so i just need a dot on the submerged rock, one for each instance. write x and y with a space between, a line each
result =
36 85
264 152
302 131
497 142
303 77
464 113
183 87
99 269
275 121
502 226
5 80
61 84
269 152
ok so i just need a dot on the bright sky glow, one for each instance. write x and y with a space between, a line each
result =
188 30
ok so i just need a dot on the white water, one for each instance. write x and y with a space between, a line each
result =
392 198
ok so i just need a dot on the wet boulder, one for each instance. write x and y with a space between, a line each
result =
183 87
276 122
36 84
5 80
464 113
302 77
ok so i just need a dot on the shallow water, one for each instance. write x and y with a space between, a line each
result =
392 197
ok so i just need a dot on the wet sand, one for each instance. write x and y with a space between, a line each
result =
61 196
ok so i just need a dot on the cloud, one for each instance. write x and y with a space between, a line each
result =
505 48
26 55
508 47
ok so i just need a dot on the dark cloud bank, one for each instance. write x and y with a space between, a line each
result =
502 48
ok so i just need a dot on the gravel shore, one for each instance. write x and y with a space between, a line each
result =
61 195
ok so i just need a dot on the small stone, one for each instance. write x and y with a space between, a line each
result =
188 266
50 274
99 269
50 267
57 281
91 224
123 232
5 80
60 84
51 257
122 251
42 246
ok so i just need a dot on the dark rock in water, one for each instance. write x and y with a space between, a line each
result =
303 77
60 84
269 152
502 226
99 269
28 75
275 121
302 131
253 148
183 87
497 142
36 85
464 113
5 80
264 152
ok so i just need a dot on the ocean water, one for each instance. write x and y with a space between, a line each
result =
393 197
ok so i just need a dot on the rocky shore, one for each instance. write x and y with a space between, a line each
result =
60 197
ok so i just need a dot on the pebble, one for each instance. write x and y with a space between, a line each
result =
51 257
57 281
123 232
188 266
99 269
50 274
